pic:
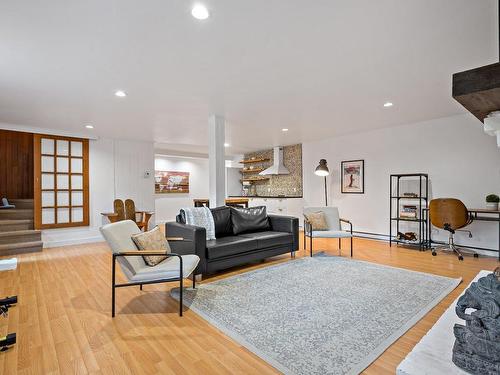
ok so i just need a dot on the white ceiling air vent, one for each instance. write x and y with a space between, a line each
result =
278 167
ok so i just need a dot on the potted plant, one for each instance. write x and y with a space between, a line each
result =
492 202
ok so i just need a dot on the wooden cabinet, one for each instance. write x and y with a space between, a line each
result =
280 206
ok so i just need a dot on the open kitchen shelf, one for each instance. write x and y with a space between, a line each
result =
259 160
253 170
255 179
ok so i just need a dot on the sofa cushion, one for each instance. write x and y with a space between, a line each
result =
222 221
270 239
230 245
252 219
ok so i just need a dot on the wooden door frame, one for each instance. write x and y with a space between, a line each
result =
37 181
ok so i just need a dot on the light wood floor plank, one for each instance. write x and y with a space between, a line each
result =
64 326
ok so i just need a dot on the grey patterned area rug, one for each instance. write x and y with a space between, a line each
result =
321 315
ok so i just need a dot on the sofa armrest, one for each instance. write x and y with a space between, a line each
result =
288 224
194 241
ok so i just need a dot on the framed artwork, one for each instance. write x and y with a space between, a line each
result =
352 176
169 182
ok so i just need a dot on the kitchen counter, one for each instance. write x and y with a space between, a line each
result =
265 196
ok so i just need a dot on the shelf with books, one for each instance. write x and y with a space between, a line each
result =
409 195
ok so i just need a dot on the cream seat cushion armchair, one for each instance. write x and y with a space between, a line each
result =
175 268
333 227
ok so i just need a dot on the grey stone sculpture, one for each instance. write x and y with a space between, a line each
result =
477 344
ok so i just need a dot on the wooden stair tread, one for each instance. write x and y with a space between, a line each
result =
15 221
20 232
20 245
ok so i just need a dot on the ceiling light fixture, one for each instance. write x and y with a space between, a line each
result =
388 104
284 130
120 93
88 126
200 12
226 144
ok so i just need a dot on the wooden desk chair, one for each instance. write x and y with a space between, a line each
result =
451 215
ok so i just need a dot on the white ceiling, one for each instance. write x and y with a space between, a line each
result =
320 68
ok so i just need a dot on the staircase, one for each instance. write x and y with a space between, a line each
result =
16 229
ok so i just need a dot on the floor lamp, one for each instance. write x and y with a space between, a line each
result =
323 171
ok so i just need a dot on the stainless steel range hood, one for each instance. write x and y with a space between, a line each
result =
278 167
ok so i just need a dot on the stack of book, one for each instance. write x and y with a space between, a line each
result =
408 212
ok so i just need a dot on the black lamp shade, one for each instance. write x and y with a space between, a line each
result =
322 169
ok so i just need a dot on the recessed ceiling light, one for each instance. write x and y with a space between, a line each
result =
200 12
226 144
388 104
120 93
88 126
284 130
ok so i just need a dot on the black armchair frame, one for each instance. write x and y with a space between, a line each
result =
141 283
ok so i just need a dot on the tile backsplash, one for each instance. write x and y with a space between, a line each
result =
289 185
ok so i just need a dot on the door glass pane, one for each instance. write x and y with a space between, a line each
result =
76 214
76 182
77 198
76 165
62 181
63 215
47 198
47 164
47 146
62 198
62 164
76 148
47 181
48 216
62 147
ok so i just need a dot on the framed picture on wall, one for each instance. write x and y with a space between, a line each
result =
167 182
352 175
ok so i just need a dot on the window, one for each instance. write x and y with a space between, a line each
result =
61 181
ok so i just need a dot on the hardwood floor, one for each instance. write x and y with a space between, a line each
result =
64 326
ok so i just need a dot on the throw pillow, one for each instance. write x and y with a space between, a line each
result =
152 240
317 220
252 219
222 221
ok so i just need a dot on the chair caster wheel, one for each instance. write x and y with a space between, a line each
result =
434 253
476 255
460 258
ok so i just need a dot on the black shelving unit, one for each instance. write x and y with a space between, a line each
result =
421 200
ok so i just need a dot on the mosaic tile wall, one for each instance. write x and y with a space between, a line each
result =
281 185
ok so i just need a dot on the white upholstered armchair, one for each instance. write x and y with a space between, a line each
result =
175 268
334 224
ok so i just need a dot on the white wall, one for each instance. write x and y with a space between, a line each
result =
116 170
167 206
461 161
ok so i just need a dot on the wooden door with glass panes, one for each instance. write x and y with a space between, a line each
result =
61 181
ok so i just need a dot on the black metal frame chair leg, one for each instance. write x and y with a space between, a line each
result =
114 285
311 244
113 288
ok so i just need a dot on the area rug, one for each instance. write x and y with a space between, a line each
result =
321 315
